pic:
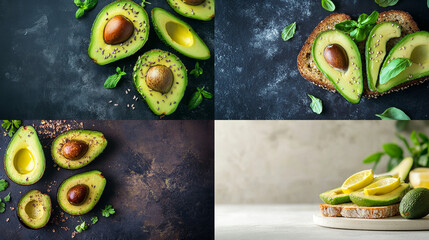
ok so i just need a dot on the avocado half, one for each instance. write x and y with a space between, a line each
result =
361 199
93 140
414 46
95 182
24 161
103 53
204 11
34 209
179 35
348 83
161 103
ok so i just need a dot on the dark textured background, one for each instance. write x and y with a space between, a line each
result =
160 180
45 71
256 73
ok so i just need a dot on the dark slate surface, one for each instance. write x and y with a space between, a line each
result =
160 180
45 71
256 73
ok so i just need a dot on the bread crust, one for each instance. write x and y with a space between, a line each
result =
309 70
351 210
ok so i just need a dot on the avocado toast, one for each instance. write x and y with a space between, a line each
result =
310 70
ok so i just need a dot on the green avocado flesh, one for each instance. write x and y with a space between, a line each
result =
95 141
34 209
103 53
361 199
178 35
375 49
403 169
415 204
349 83
24 161
95 183
337 196
161 103
414 46
205 11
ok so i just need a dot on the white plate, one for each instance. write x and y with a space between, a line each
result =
387 224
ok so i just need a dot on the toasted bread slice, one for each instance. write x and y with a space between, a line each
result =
309 70
351 210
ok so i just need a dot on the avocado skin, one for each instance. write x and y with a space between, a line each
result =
415 204
361 199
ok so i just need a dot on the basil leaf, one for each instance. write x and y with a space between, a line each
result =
316 104
428 3
80 12
371 19
206 94
393 69
386 3
358 35
90 4
195 101
346 26
414 139
393 113
328 5
78 3
362 18
373 157
288 31
393 150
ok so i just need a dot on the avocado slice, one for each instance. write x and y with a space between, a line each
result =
119 30
77 148
375 49
88 186
178 35
415 204
403 169
414 46
337 196
347 80
161 103
34 209
361 199
24 161
201 10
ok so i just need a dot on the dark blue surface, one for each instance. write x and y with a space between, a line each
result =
256 73
45 71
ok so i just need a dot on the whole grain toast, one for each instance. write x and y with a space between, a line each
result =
309 70
351 210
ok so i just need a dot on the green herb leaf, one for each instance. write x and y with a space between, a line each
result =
144 3
428 3
316 104
7 198
373 157
414 139
3 184
113 80
90 4
197 71
81 227
393 69
346 26
404 140
2 207
362 18
195 101
371 19
423 137
79 12
6 124
78 3
289 31
393 150
358 34
328 5
107 211
386 3
423 160
94 220
393 113
206 94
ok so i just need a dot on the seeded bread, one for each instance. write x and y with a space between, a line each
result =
351 210
309 70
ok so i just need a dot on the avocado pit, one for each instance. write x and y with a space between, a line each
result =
193 2
74 149
118 30
160 78
77 194
336 56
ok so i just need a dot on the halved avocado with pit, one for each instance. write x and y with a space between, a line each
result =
161 78
24 161
79 194
119 30
337 56
414 46
34 209
77 148
196 9
179 35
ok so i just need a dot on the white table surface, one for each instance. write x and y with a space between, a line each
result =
272 222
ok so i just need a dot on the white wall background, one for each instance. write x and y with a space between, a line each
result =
294 161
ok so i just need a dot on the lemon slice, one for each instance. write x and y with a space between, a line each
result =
357 181
383 186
